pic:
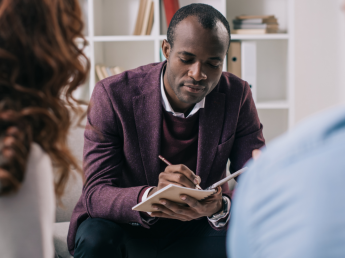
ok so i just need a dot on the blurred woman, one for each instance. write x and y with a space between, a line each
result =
40 67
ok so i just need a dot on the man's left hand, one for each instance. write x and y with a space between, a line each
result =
195 209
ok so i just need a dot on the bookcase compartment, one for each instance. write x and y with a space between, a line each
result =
115 17
117 53
275 122
271 78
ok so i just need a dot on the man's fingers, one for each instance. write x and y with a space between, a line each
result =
256 154
184 170
158 214
163 209
192 202
181 179
176 208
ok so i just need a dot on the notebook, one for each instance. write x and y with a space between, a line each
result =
172 193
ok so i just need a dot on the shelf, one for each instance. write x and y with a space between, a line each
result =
123 38
259 36
278 104
250 37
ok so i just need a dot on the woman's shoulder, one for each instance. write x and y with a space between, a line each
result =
38 157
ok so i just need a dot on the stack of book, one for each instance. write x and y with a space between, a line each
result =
144 23
255 24
103 71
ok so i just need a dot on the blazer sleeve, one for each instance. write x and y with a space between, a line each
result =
103 164
248 135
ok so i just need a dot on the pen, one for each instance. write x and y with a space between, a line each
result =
169 164
226 179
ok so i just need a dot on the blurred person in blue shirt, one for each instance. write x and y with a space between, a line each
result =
291 201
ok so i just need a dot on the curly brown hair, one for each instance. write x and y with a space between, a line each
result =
40 67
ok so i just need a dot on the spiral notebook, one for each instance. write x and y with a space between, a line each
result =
172 193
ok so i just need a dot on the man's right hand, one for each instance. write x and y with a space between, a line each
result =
177 175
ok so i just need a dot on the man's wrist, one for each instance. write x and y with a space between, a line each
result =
223 212
152 191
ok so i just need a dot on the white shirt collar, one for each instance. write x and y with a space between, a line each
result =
168 108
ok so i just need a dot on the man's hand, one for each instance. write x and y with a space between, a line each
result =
181 175
195 209
256 154
177 175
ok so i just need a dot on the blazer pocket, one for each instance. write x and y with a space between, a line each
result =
224 149
222 155
228 141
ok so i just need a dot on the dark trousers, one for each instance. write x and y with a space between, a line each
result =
101 238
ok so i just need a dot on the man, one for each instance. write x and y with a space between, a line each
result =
189 112
291 202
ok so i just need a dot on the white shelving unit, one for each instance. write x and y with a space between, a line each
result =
110 25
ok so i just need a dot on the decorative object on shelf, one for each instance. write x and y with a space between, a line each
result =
144 23
170 7
103 71
161 55
255 24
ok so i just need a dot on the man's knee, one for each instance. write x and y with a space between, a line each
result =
98 236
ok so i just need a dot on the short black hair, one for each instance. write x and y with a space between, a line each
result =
207 16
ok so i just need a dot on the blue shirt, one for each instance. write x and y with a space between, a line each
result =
291 202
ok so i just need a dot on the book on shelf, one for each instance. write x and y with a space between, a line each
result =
255 24
254 31
144 22
242 62
170 8
235 59
103 71
263 18
150 22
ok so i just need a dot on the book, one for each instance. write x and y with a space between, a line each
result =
171 192
150 21
235 59
146 17
99 72
253 31
256 26
170 8
140 17
255 21
103 71
262 17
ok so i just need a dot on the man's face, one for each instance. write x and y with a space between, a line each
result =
195 62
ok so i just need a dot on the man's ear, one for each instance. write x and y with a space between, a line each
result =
166 48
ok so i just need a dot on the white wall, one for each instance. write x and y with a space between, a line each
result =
319 50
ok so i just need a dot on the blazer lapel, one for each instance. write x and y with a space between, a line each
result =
148 120
210 127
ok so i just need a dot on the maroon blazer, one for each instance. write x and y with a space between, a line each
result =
123 135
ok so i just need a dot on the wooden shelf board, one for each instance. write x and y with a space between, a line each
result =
122 38
277 104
